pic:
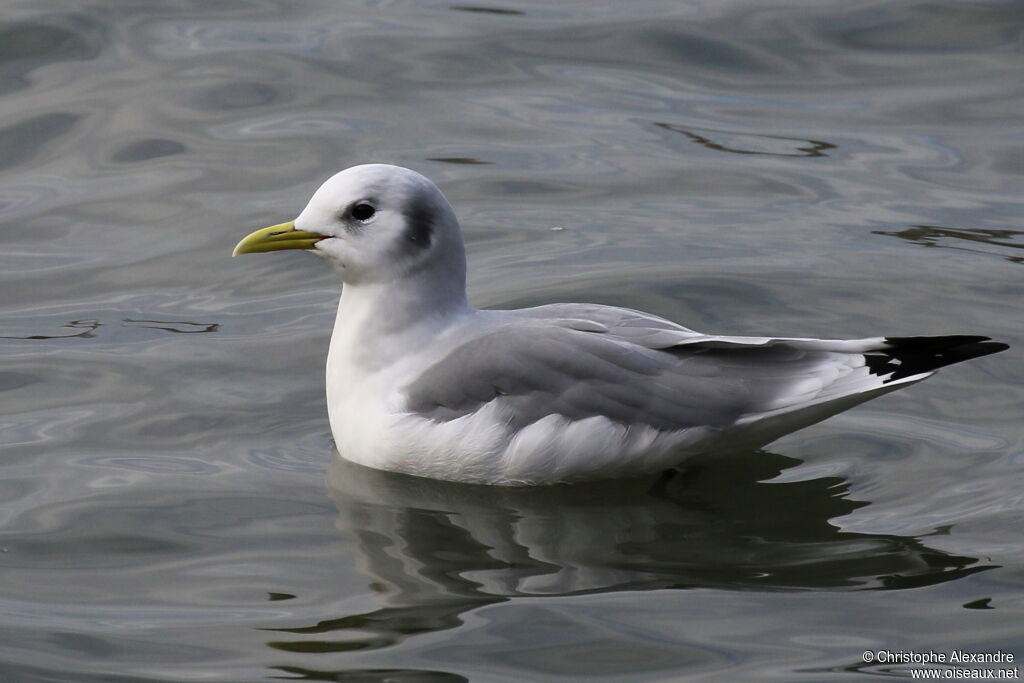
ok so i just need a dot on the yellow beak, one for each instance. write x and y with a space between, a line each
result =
276 237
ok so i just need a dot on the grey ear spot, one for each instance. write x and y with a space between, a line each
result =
419 234
419 222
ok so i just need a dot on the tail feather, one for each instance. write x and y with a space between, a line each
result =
891 363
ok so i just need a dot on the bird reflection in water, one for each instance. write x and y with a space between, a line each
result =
436 550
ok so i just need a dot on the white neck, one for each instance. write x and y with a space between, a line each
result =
379 323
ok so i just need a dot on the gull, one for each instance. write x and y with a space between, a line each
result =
421 382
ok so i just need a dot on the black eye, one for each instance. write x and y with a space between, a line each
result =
363 212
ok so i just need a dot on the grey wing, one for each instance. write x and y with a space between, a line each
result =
642 328
538 367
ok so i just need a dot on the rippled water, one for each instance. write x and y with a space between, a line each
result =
170 508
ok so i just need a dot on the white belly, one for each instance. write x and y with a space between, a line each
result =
483 448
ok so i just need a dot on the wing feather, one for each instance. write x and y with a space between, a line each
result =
581 361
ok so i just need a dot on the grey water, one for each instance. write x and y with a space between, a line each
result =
170 509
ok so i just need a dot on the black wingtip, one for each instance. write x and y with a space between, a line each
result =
909 356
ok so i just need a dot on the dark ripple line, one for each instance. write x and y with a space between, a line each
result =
469 161
814 148
90 324
396 675
933 236
486 10
160 325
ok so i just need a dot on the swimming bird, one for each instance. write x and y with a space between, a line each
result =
421 382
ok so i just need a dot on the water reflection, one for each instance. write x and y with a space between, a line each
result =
370 675
26 46
88 329
465 161
90 326
148 149
177 326
39 130
486 10
436 550
953 238
750 143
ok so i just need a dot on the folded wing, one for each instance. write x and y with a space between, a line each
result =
581 361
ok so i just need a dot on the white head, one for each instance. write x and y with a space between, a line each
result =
384 223
376 224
